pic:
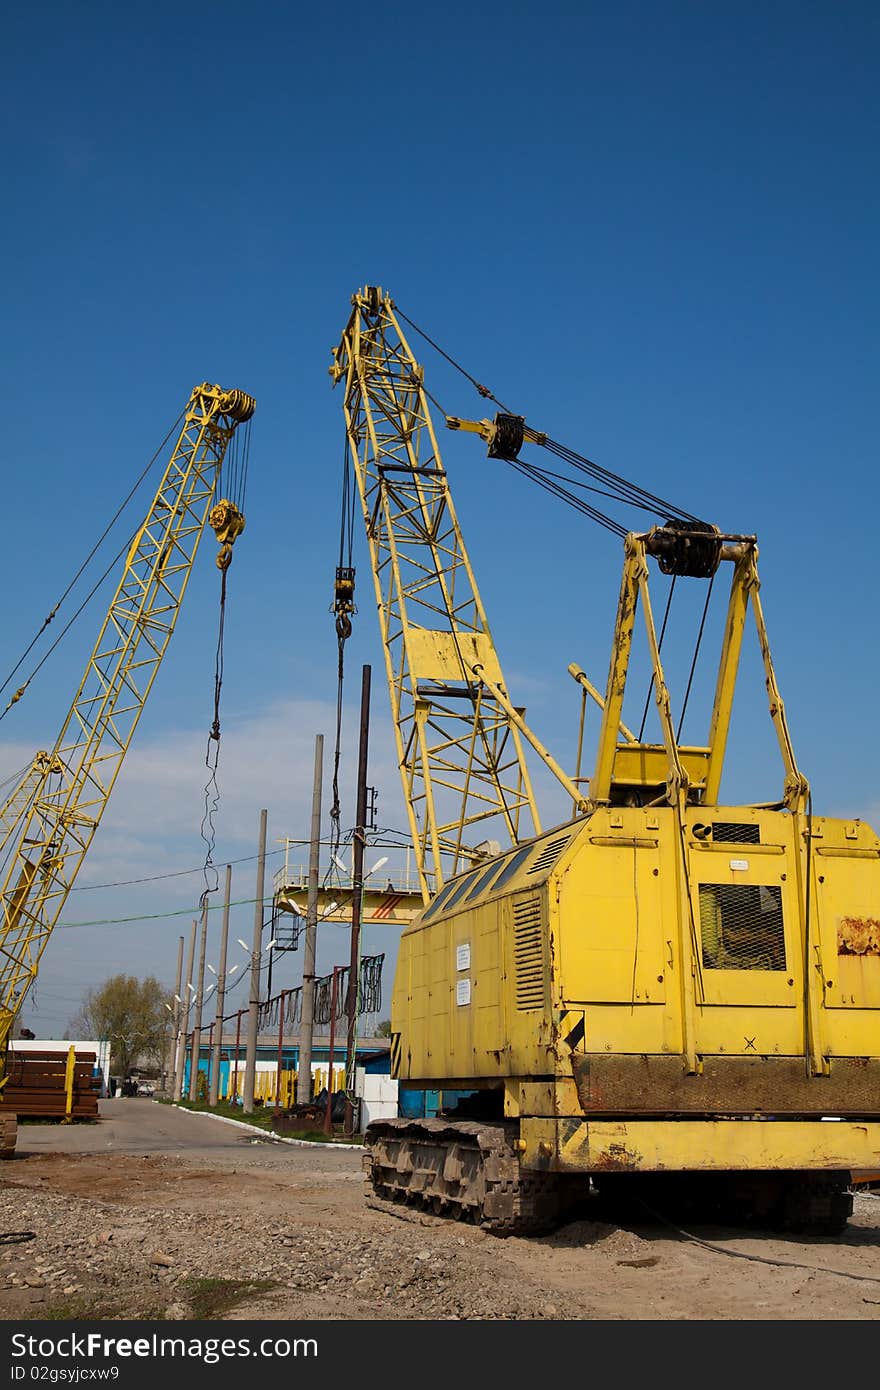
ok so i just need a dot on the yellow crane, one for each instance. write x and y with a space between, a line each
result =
21 795
667 996
459 739
50 819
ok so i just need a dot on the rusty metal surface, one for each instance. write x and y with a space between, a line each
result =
727 1086
858 936
575 1141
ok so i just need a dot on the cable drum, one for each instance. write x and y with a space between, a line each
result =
691 549
508 438
239 405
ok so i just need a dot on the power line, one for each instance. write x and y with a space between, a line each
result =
155 878
150 916
245 859
180 912
107 529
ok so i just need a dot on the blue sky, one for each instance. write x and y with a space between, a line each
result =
651 228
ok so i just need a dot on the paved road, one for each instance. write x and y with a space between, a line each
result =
135 1125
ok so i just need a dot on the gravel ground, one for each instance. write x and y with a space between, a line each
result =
94 1258
227 1225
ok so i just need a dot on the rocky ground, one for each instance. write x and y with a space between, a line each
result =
287 1232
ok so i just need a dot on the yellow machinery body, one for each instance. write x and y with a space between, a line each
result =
666 985
579 971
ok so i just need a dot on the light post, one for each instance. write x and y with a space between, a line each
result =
184 1003
171 1054
214 1087
328 1113
216 1036
234 1096
168 1074
250 1065
284 992
307 1017
250 1061
357 877
198 1000
354 987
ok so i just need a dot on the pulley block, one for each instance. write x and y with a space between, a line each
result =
507 439
691 549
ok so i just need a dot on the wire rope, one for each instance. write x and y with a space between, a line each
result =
88 598
659 649
207 828
758 1259
483 390
556 490
687 692
15 778
626 491
343 632
51 615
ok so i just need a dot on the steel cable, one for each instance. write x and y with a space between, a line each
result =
50 616
45 657
659 650
626 490
695 656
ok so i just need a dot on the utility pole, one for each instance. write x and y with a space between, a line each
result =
280 1048
357 883
197 1021
328 1113
214 1093
186 995
171 1063
307 1026
234 1096
250 1064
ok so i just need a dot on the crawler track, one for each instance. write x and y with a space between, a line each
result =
466 1170
469 1170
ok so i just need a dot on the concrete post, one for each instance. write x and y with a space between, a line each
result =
171 1062
250 1063
214 1094
197 1020
306 1032
186 996
357 883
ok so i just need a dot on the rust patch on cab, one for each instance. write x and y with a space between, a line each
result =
858 936
617 1158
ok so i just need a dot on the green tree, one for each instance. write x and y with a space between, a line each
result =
383 1029
131 1013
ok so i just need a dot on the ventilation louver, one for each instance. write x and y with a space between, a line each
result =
549 854
528 953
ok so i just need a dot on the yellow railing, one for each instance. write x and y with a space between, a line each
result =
266 1084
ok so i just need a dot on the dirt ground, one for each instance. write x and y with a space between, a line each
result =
257 1230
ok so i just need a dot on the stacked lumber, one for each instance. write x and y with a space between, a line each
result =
8 1128
35 1087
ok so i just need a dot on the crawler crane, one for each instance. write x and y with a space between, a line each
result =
50 819
666 994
